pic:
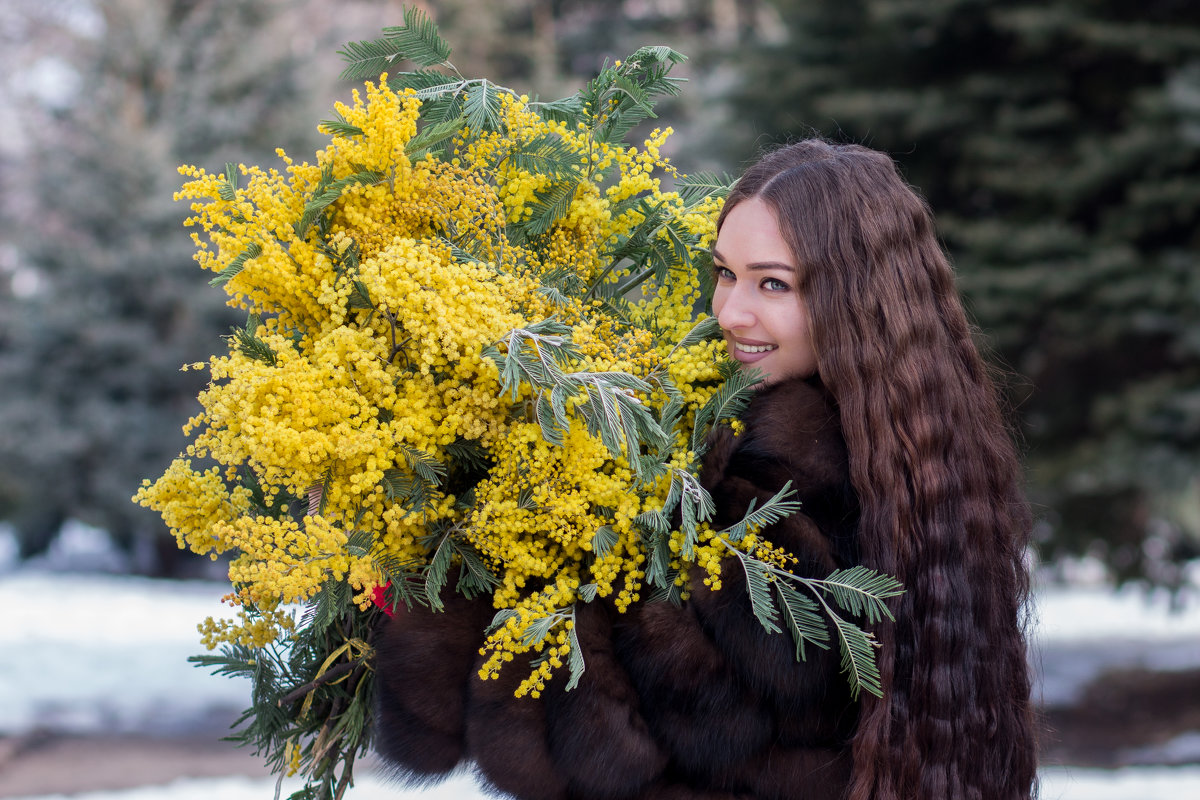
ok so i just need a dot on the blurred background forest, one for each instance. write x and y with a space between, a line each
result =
1057 140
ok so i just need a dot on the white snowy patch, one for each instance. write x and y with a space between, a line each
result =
1142 783
84 653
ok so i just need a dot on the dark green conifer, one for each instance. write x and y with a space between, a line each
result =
1059 145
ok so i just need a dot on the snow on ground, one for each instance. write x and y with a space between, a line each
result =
1145 783
458 787
83 653
1081 632
1074 614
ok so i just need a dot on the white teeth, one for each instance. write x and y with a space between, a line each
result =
755 348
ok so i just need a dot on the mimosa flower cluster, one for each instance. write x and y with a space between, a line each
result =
448 355
473 362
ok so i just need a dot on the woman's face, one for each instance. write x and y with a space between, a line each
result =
765 321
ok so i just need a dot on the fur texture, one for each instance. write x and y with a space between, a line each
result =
690 703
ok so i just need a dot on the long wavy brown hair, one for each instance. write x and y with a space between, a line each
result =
935 470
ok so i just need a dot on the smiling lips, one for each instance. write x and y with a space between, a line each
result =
755 348
746 352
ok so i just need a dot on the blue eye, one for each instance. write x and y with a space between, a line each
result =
723 273
775 285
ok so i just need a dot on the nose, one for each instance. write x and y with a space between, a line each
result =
733 309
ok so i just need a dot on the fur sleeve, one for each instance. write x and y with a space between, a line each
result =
423 662
590 742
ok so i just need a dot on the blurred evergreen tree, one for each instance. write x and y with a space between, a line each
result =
548 48
90 357
108 303
1059 144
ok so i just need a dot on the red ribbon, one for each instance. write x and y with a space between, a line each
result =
381 599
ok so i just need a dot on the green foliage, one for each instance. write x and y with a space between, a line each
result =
90 362
250 344
329 190
703 184
313 699
239 261
857 591
607 401
728 403
311 703
779 506
417 40
1059 146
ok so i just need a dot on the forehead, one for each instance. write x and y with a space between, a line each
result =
750 234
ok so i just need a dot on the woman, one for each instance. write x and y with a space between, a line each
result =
876 405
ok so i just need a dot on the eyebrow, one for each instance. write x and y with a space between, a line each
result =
758 266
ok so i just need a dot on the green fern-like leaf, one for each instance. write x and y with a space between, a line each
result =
802 617
694 188
538 629
367 60
327 606
575 664
250 345
482 106
360 298
862 591
534 355
428 83
782 504
474 577
227 189
460 254
405 582
695 505
565 279
702 267
604 540
439 567
425 466
442 108
612 410
468 453
431 136
409 489
658 558
328 191
633 94
758 586
654 521
551 419
728 402
570 110
359 543
253 250
655 54
705 329
858 656
419 39
548 154
550 205
338 126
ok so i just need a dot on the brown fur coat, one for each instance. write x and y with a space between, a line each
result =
694 703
